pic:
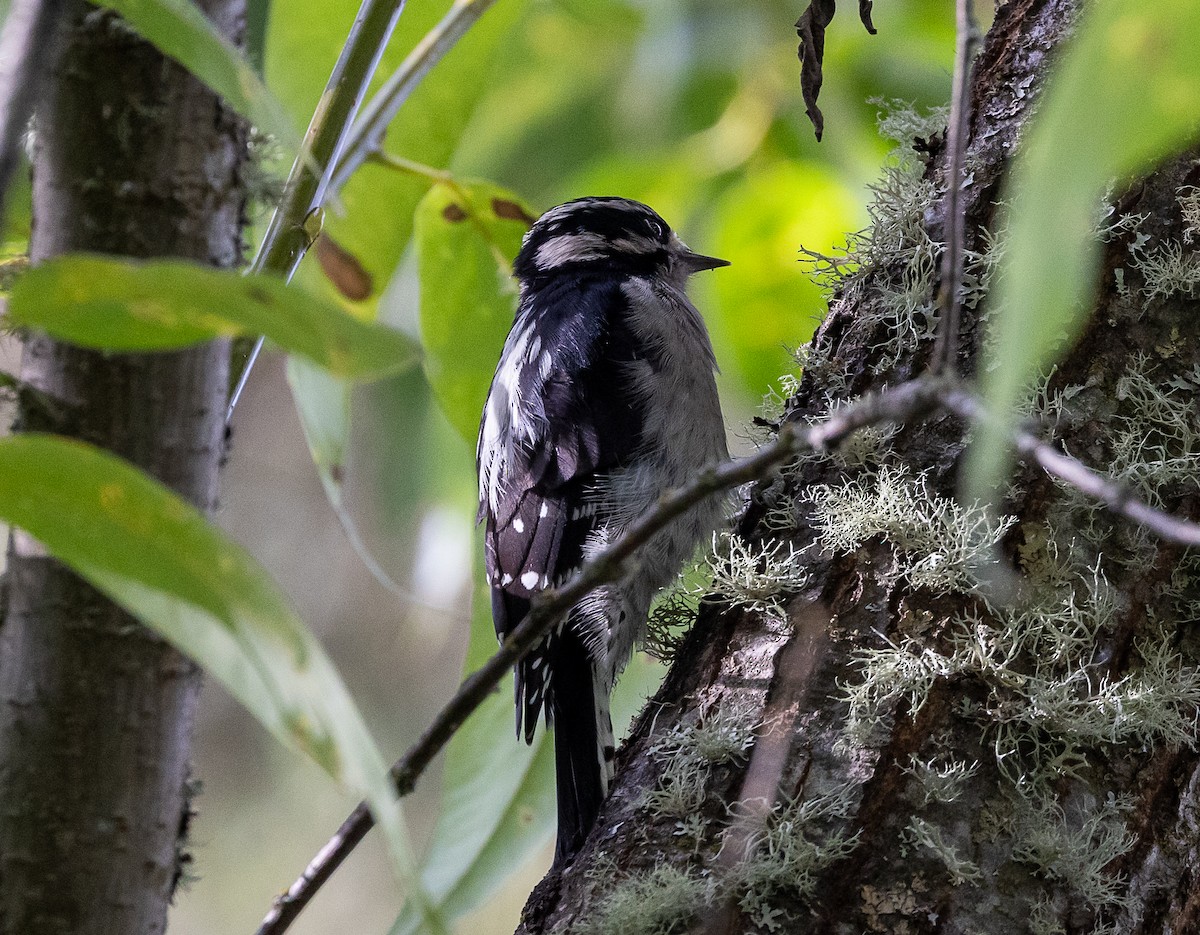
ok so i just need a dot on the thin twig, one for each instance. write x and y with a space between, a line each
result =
1113 495
949 299
366 135
901 403
297 220
29 44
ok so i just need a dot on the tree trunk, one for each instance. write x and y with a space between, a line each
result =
873 734
133 157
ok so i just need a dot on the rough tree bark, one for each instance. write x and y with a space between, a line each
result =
133 157
874 738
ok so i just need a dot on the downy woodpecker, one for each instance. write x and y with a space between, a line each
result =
603 399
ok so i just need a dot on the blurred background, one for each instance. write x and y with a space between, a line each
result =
692 106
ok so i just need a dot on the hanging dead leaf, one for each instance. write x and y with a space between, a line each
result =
810 27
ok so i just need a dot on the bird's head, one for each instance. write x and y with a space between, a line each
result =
606 235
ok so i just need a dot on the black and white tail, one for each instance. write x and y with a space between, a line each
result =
583 741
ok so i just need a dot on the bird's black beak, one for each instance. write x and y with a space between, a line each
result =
695 262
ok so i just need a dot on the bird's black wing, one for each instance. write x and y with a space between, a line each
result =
567 363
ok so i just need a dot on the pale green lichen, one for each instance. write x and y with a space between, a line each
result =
690 750
756 576
938 544
1170 269
940 780
932 840
661 902
785 860
1189 209
671 617
1074 849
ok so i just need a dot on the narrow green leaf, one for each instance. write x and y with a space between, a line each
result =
178 29
497 809
467 235
156 556
1122 97
323 404
123 306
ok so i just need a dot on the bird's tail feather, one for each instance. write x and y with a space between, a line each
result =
583 743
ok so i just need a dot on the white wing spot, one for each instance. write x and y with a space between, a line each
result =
529 580
519 524
506 580
544 510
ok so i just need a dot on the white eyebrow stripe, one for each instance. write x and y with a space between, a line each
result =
566 248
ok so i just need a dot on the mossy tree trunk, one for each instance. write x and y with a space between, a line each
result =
869 733
133 157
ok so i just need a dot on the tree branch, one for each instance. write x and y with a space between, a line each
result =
366 135
900 403
28 46
297 219
340 144
949 300
1116 497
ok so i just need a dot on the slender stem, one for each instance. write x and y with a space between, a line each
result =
902 403
949 298
366 136
28 44
297 220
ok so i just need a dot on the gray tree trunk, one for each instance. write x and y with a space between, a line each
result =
133 157
871 734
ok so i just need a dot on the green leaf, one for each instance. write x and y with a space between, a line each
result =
467 235
323 404
497 809
178 29
157 557
1122 97
122 306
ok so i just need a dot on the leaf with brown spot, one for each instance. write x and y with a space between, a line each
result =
344 270
468 297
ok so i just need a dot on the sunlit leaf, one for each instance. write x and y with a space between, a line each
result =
157 557
123 306
178 29
1123 96
467 236
766 306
